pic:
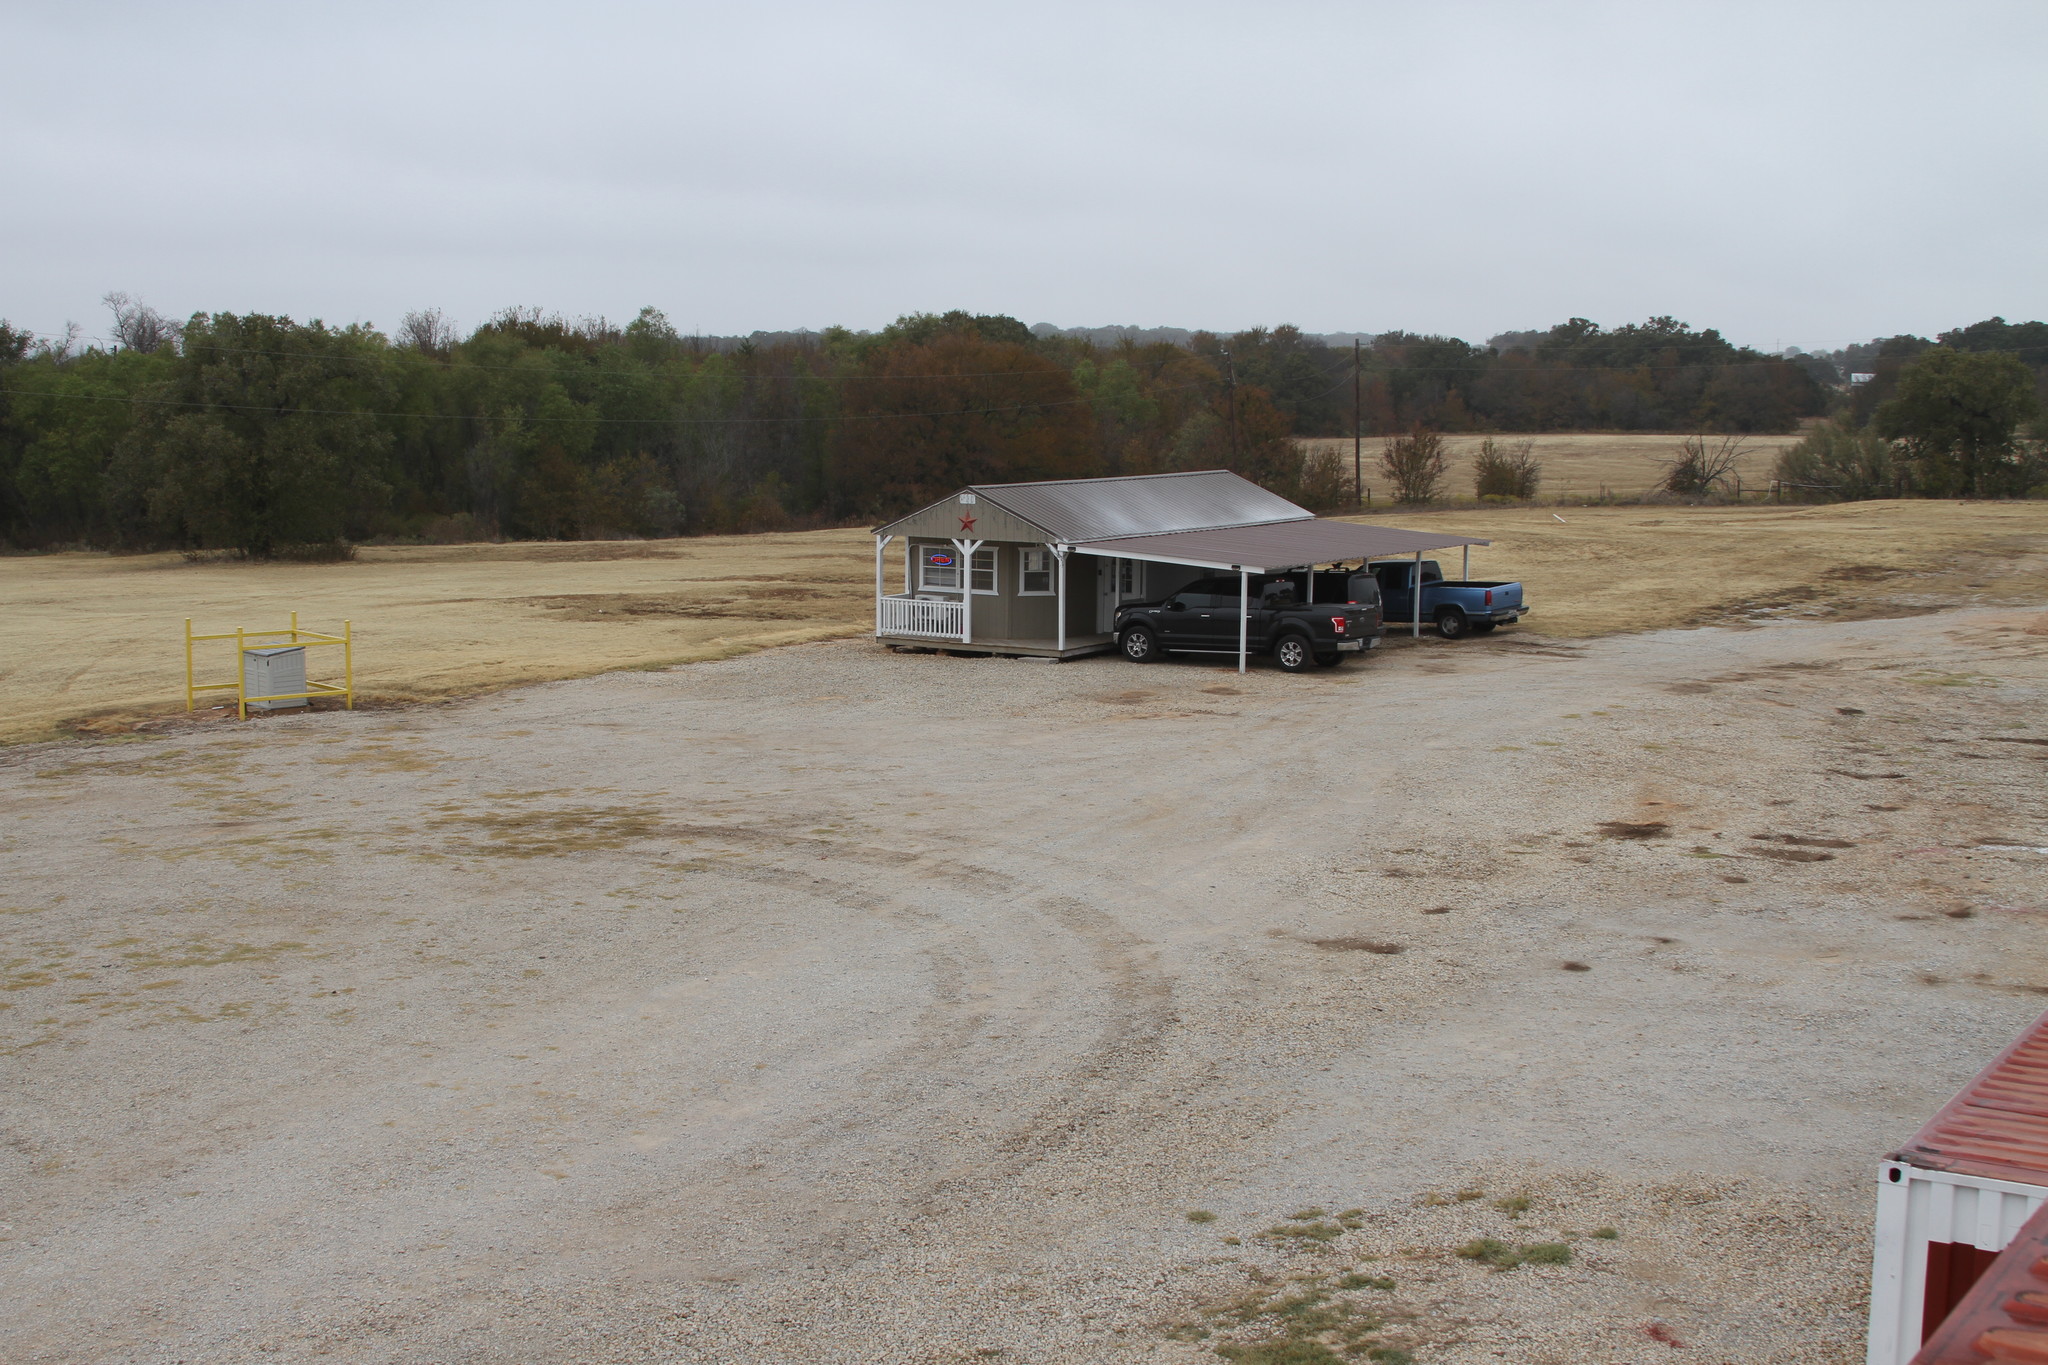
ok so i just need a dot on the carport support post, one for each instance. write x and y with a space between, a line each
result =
881 544
1466 572
1415 597
1244 611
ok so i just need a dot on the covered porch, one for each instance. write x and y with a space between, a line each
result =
973 602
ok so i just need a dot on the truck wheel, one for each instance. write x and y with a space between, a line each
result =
1292 653
1481 627
1140 645
1450 623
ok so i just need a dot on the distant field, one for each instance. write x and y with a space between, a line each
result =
93 642
1573 464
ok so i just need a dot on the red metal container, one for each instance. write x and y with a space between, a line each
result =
1956 1195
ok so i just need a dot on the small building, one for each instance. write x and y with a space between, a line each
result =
1040 568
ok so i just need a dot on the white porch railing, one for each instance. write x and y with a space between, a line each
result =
935 620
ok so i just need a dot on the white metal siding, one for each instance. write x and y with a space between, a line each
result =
274 672
1931 1206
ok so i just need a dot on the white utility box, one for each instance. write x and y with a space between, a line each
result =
274 673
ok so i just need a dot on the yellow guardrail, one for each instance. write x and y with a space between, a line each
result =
289 636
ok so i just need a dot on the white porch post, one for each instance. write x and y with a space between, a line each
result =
1059 554
881 544
966 549
1244 611
1415 598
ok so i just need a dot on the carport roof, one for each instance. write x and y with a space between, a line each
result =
1275 546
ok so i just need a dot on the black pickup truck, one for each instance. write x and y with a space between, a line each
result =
1202 618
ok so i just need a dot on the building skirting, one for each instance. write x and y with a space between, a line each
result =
1077 646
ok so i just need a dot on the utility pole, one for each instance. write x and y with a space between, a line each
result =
1230 390
1357 445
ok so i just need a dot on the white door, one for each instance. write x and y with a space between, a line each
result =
1105 594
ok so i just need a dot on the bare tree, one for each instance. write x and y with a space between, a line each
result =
1415 464
428 331
138 326
1701 466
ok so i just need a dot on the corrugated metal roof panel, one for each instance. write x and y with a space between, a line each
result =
1281 545
1146 504
1998 1125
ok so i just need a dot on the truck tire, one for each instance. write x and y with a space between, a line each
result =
1140 645
1481 627
1294 653
1450 622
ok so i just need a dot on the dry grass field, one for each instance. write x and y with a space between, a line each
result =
1575 464
92 643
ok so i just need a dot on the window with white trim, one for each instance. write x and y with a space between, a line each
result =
938 569
1130 577
1034 573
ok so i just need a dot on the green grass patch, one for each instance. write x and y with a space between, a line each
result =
1491 1251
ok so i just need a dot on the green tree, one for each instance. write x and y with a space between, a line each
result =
265 436
1956 413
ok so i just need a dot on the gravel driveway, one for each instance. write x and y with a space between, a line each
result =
833 1005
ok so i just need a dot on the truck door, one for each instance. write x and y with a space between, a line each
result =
1271 600
1180 615
1210 616
1393 579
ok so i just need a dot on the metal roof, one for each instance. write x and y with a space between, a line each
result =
1998 1125
1280 545
1144 504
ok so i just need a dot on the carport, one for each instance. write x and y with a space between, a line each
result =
1279 547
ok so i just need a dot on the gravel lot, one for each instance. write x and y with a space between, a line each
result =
832 1005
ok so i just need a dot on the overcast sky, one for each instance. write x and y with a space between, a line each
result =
1791 173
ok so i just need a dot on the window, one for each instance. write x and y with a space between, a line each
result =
1034 573
938 568
1130 577
1209 592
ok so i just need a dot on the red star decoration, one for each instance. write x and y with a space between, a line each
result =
967 523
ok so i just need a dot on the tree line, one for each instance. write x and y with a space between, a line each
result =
265 436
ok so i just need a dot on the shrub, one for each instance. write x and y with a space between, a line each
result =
1416 465
1325 483
1506 471
1837 460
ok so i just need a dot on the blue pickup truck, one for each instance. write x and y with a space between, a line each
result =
1454 608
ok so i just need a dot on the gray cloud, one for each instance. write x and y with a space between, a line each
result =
1802 174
